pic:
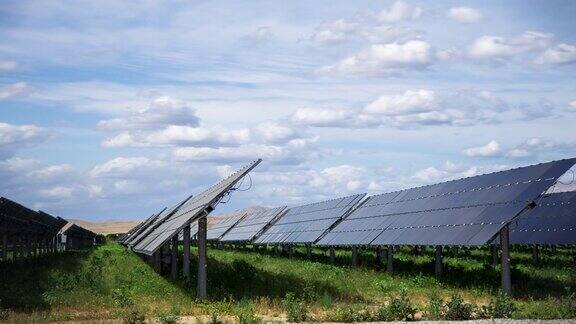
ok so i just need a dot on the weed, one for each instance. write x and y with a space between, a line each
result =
168 318
326 300
349 314
245 313
295 308
434 309
122 297
4 313
134 317
243 270
398 308
457 309
385 285
501 306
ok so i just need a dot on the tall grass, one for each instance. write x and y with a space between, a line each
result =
111 282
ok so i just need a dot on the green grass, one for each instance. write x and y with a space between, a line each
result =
111 282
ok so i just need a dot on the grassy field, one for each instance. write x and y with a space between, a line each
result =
111 282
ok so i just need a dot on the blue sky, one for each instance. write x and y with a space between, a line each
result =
115 109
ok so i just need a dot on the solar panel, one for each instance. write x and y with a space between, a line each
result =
467 211
133 234
222 224
307 223
191 210
552 221
252 225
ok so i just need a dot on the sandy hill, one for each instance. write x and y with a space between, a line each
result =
106 227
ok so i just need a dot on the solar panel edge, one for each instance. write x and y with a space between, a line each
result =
239 173
357 204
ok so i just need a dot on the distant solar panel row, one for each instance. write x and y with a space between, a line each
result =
190 210
307 223
468 211
222 224
252 224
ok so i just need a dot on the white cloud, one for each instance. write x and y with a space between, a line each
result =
126 166
409 102
399 11
491 149
533 147
451 171
572 104
15 137
465 15
325 117
295 151
58 192
275 132
14 90
389 58
261 35
495 47
175 135
338 31
52 171
8 65
159 112
557 55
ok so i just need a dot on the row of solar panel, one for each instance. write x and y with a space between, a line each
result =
469 211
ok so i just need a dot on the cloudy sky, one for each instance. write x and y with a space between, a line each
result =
115 109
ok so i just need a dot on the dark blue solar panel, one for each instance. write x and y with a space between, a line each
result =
252 225
468 211
307 223
553 221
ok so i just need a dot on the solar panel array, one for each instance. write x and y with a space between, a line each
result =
191 210
133 233
221 224
467 211
252 225
552 222
307 223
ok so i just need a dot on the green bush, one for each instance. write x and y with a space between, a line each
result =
501 306
4 313
434 309
457 309
168 318
134 317
349 314
326 300
245 313
122 297
295 308
398 309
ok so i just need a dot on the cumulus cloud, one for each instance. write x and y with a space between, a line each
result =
400 11
498 48
295 151
558 55
491 149
175 135
14 90
423 107
533 147
572 104
126 166
379 59
365 28
161 111
451 171
465 15
15 137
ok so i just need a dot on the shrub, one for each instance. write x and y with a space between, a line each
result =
434 308
350 314
246 313
295 308
501 306
458 309
134 317
168 318
399 309
4 313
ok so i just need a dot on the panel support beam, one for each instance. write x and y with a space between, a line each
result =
309 251
201 292
354 256
186 253
174 257
378 258
494 254
332 253
390 261
505 259
439 266
535 254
